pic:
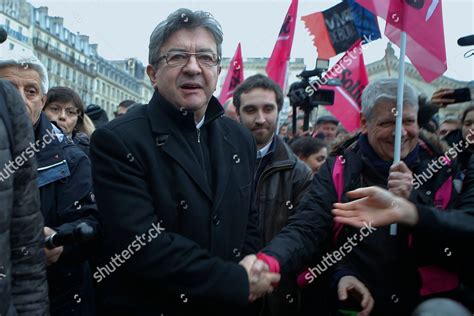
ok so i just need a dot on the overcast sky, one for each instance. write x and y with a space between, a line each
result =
122 28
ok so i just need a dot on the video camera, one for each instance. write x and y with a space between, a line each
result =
305 95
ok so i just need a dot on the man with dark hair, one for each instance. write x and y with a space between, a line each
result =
176 164
123 107
281 178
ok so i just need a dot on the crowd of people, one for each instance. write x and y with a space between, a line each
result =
198 208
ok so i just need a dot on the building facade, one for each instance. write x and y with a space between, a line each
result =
70 59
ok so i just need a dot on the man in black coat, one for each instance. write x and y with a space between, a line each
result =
173 181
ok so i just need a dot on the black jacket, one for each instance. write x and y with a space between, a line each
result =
280 187
23 286
65 182
149 168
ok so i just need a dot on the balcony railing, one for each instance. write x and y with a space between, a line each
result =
15 34
46 47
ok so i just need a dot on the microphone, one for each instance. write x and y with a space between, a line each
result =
81 233
3 35
466 40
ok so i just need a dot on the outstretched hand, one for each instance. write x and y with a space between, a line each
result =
376 206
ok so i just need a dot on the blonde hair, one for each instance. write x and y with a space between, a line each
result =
88 126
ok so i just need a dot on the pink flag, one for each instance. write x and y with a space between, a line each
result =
278 63
422 20
351 72
235 75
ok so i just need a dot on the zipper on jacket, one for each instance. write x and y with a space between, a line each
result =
198 131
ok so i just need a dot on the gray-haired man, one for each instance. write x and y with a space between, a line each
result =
178 162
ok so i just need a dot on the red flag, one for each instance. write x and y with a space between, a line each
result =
351 72
278 63
422 20
235 75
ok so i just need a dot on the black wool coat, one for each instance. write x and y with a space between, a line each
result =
148 170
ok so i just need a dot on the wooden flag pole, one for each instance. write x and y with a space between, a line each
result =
399 111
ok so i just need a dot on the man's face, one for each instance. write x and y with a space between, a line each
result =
283 131
328 129
192 85
64 114
259 113
28 83
381 130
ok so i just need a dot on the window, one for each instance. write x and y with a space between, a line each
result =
7 23
58 69
56 28
66 35
20 30
47 22
11 46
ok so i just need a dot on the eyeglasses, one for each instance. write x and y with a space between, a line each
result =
56 109
179 59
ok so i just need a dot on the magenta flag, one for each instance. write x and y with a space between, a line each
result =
235 75
422 20
277 66
351 72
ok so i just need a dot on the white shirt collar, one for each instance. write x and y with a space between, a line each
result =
264 150
201 122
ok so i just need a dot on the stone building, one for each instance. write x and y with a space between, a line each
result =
70 59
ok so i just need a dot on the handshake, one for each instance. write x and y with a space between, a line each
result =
261 280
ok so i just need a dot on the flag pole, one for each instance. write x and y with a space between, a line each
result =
399 110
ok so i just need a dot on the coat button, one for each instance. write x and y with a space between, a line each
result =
428 193
216 220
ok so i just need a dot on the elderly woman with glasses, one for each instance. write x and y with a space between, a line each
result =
64 107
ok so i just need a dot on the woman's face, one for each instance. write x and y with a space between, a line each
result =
64 114
316 160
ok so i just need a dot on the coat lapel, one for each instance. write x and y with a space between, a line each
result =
224 155
169 137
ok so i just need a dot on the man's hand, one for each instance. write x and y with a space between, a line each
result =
439 97
400 180
52 255
376 206
260 280
349 285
